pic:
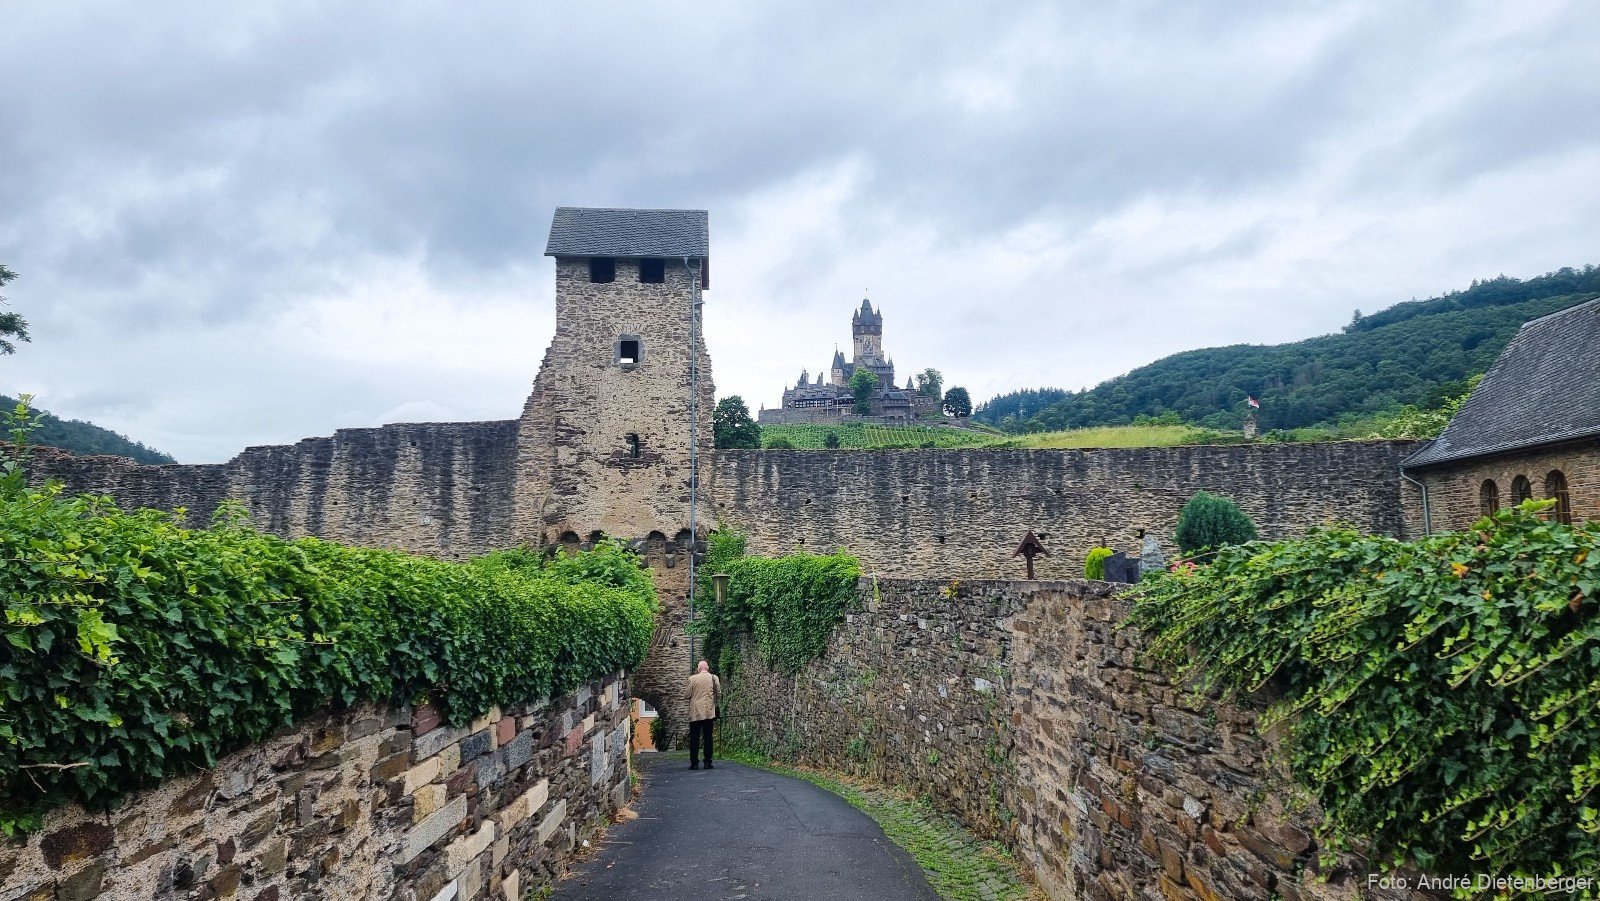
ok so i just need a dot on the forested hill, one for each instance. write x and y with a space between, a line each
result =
1418 353
85 437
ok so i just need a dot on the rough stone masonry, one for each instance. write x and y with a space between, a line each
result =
1023 709
366 803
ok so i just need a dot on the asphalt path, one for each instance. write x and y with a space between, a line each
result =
740 833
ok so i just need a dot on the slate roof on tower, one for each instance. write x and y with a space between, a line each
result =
1544 388
597 232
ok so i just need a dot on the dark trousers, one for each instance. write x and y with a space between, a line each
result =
699 730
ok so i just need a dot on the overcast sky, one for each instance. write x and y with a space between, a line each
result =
247 227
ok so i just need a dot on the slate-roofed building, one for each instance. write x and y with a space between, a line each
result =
607 235
1531 429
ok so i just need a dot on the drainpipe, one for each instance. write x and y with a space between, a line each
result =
1427 515
694 442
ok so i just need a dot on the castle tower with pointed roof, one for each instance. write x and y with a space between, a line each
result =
866 330
829 398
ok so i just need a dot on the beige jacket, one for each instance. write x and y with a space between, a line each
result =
705 690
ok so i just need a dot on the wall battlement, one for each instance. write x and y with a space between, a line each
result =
960 513
442 489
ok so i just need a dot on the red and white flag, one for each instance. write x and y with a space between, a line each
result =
1256 404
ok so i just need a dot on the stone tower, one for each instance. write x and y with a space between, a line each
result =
866 328
606 438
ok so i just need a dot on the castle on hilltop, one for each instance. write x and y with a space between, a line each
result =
832 400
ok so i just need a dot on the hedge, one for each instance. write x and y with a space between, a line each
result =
1441 697
136 649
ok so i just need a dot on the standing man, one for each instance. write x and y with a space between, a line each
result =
705 691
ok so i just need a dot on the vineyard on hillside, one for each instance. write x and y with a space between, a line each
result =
860 436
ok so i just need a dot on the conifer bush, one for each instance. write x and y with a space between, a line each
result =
1210 521
1094 566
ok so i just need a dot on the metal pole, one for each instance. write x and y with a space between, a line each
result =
694 440
1427 515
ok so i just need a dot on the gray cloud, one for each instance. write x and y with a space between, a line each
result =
250 223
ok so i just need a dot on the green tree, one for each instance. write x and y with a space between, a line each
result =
780 443
1210 522
930 382
85 438
831 441
12 325
731 425
957 402
862 384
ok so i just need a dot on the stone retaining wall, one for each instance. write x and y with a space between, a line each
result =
1022 709
366 803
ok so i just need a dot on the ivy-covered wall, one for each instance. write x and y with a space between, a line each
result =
1022 709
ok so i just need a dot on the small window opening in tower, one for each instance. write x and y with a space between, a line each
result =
653 272
633 445
628 351
602 269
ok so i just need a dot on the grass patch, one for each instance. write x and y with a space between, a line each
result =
1123 436
959 866
858 436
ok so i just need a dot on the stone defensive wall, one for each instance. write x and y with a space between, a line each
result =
367 802
1022 709
443 489
961 513
449 490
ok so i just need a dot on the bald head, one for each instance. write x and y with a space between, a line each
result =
704 667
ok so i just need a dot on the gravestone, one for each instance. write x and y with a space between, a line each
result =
1150 557
1122 568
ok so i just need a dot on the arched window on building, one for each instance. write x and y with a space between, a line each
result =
1488 497
1555 487
1521 490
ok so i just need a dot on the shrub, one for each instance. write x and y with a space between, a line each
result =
1209 522
660 732
789 605
134 648
1094 566
831 441
1441 697
780 443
